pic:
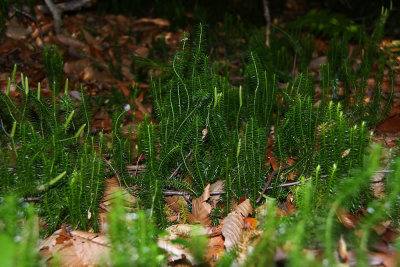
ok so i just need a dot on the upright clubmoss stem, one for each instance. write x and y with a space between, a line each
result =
38 91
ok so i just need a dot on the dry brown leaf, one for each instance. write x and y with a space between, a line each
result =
177 251
76 67
384 259
290 207
111 187
69 41
215 249
176 202
90 73
147 24
234 223
141 52
348 219
91 40
76 248
274 163
219 185
17 31
201 209
214 230
342 250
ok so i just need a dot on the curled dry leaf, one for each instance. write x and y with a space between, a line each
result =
342 249
147 24
234 223
219 185
177 251
290 206
76 248
201 209
274 163
348 219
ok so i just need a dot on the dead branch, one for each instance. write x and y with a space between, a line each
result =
56 13
268 20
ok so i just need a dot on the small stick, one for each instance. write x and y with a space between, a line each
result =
115 172
56 13
270 177
179 193
32 199
268 20
175 172
4 130
289 184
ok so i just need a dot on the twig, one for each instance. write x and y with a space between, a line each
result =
180 193
32 18
175 172
270 177
32 199
56 13
289 184
68 6
268 20
4 130
115 172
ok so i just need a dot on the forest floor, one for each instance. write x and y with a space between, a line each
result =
97 52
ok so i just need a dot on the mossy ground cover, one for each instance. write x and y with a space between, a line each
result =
125 129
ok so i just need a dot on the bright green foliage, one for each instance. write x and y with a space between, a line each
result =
208 129
133 237
18 234
42 156
315 223
53 63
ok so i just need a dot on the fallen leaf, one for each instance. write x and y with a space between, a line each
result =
111 186
219 185
142 52
290 206
274 163
348 219
234 223
76 248
148 24
292 176
201 209
215 249
69 41
342 250
177 251
17 31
